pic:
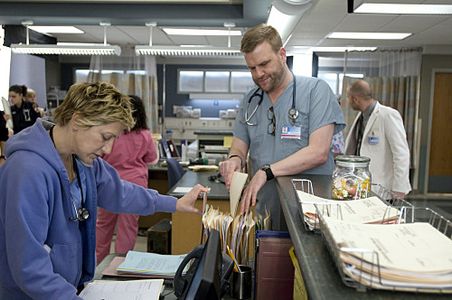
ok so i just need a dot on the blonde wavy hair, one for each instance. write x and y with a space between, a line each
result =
259 34
95 104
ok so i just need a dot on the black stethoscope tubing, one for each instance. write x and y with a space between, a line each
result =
293 112
81 213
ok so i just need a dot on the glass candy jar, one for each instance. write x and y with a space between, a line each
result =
351 177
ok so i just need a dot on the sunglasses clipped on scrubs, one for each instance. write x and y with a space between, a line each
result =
259 95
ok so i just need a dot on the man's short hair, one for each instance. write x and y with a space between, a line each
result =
259 34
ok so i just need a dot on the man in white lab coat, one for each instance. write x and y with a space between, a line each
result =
378 133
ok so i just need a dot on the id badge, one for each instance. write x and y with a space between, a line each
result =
291 132
373 140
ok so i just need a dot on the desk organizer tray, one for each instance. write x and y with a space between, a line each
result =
368 210
412 255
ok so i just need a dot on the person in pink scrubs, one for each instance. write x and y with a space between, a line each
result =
130 156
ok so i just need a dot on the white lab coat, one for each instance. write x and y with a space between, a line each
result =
384 142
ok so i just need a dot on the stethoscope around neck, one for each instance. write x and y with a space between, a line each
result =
80 213
259 93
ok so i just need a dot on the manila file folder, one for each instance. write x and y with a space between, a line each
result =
237 185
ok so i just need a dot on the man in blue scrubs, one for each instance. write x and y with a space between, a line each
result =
285 125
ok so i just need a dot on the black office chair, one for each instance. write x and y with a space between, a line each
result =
175 171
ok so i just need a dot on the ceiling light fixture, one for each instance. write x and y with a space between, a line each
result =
55 49
380 7
285 14
369 35
56 29
295 49
187 50
206 32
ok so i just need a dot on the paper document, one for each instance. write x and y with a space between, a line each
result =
150 263
111 270
237 232
146 289
203 168
227 141
235 192
411 257
7 110
413 247
182 189
367 210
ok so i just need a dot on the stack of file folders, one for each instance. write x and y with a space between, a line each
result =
370 210
155 265
413 255
237 231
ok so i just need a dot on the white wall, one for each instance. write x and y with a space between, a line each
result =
31 71
5 59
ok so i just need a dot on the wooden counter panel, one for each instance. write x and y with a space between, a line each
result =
186 227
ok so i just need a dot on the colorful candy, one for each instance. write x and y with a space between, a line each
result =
351 178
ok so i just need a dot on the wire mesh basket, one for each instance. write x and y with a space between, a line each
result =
310 206
361 268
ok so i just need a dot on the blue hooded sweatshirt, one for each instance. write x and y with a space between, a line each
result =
44 253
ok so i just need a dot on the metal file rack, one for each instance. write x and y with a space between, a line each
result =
361 282
306 186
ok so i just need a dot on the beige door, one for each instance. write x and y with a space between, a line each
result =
440 160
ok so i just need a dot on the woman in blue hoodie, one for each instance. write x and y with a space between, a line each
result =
52 183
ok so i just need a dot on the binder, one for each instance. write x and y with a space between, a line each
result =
274 268
166 149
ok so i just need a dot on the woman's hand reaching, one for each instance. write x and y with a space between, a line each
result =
187 202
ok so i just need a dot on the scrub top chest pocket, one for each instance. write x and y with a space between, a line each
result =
297 130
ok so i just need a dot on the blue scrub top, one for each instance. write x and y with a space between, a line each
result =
317 106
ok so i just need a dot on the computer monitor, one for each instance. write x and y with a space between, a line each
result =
208 276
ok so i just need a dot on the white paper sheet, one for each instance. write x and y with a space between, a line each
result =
146 289
412 247
182 189
368 210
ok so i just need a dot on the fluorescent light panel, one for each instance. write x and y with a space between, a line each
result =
207 32
369 35
333 49
53 49
403 9
186 51
281 22
56 29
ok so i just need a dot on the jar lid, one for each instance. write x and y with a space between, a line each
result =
352 161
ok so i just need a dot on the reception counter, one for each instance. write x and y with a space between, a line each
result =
321 277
